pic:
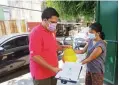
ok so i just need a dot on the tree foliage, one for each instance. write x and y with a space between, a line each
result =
73 9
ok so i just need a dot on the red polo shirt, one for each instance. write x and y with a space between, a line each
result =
42 43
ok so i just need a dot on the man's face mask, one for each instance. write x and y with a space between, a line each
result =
52 26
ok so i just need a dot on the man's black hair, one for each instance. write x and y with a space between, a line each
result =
49 12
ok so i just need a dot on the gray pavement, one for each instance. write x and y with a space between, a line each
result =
26 79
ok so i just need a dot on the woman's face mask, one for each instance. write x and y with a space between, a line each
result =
92 36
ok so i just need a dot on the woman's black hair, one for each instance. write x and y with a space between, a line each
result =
98 28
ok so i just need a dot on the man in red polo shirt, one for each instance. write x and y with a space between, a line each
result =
43 49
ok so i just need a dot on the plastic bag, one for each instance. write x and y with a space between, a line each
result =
69 55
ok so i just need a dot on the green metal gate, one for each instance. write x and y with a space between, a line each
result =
107 15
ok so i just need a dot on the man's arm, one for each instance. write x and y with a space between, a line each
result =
35 47
38 59
62 47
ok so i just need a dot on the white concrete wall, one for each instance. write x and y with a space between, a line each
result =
28 15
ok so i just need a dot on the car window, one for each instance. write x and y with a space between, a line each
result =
21 41
9 45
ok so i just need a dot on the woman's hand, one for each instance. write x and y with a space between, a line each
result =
84 62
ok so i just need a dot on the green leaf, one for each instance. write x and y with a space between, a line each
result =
69 9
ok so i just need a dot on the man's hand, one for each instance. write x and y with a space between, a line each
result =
62 47
66 46
56 70
85 61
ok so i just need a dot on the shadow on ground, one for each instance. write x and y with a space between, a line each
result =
14 74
